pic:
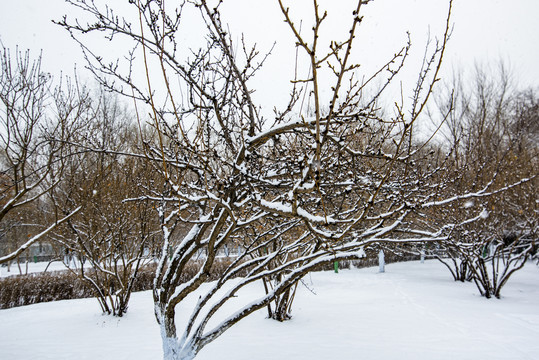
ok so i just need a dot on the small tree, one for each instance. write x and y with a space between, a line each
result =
493 147
111 236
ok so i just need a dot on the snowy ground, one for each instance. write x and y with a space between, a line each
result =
413 311
32 268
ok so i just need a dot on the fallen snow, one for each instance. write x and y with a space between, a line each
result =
412 311
32 268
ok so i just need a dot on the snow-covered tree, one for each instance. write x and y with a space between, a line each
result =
315 183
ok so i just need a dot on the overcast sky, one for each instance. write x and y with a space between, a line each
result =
484 32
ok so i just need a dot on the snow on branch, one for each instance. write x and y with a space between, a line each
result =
482 193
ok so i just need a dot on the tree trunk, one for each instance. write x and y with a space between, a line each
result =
172 350
281 309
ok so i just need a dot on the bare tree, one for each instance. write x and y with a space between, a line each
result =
493 147
35 120
294 191
111 238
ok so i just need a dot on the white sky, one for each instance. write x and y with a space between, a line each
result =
485 31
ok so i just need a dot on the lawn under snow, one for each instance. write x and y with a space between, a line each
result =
413 311
31 267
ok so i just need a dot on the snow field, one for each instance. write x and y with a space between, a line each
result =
34 268
412 311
